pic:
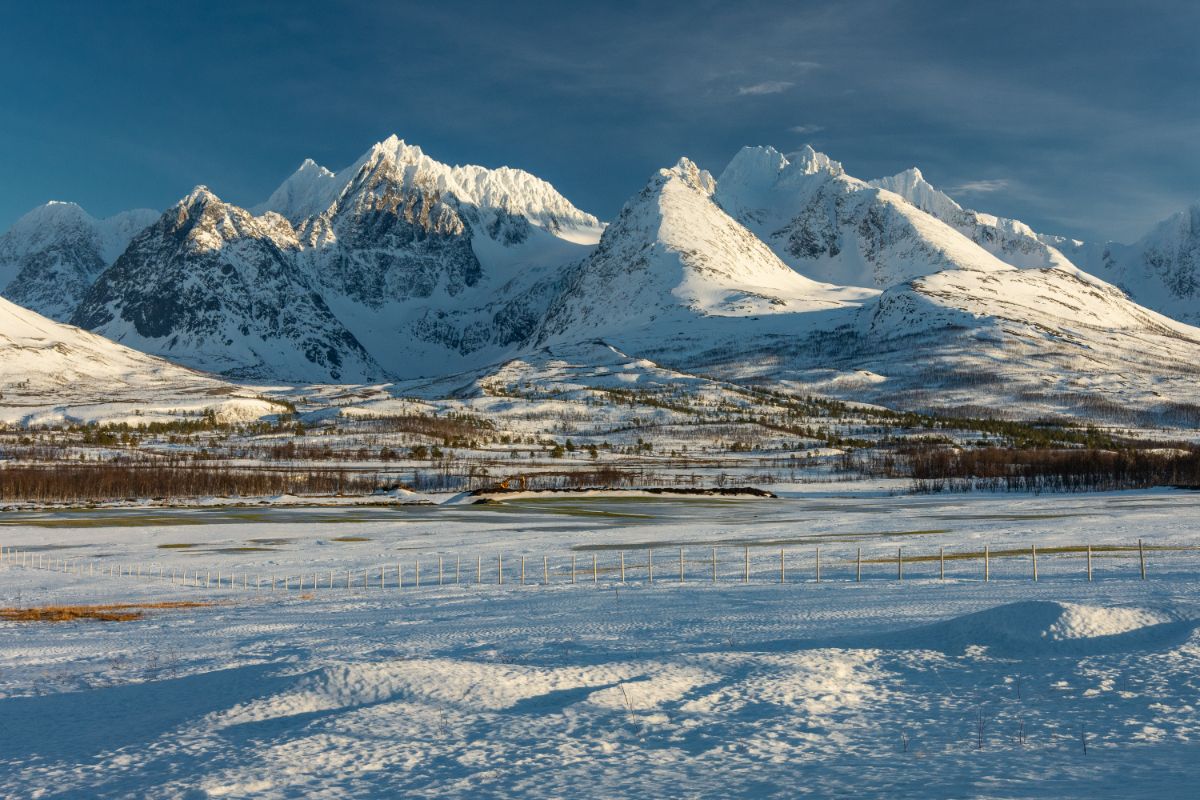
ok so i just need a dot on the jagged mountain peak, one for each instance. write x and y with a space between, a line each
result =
198 198
808 161
694 177
394 167
912 186
757 170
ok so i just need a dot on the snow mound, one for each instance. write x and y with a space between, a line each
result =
1045 627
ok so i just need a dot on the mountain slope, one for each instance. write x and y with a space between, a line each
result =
53 254
831 227
673 257
217 288
1161 270
1009 240
50 372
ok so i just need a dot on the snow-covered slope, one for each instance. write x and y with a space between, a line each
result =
50 372
673 257
1033 342
1010 240
216 288
53 254
1161 270
834 228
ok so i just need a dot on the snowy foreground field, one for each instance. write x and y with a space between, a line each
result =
925 687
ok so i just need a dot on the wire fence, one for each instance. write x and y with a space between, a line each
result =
688 565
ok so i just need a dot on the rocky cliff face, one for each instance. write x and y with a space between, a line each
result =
216 288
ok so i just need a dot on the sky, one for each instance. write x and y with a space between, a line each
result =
1080 118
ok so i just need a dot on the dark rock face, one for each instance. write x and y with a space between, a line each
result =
395 247
216 285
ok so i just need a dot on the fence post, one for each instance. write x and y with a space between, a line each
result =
1089 563
546 569
714 565
622 566
417 568
399 577
347 580
782 567
478 569
457 569
572 567
681 566
1033 550
746 566
987 564
650 564
899 563
1142 559
441 570
522 570
595 568
858 567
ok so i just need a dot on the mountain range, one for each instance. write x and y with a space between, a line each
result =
783 269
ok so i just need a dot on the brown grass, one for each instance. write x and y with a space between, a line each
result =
110 612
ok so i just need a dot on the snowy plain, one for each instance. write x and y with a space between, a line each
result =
880 688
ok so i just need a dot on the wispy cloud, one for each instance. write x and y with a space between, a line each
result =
766 87
806 128
986 186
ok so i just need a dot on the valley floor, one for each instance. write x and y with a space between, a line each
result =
924 688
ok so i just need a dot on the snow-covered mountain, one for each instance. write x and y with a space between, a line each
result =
834 228
397 265
672 257
499 194
1009 240
786 270
51 372
1161 270
459 263
52 255
678 281
213 287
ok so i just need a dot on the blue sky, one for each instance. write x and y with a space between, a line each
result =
1081 118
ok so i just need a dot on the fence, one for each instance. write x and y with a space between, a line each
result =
652 565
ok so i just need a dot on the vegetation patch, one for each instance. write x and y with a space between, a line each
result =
110 612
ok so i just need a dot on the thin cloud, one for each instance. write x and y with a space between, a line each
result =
766 87
981 187
806 128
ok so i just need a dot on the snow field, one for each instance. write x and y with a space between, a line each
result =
921 688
